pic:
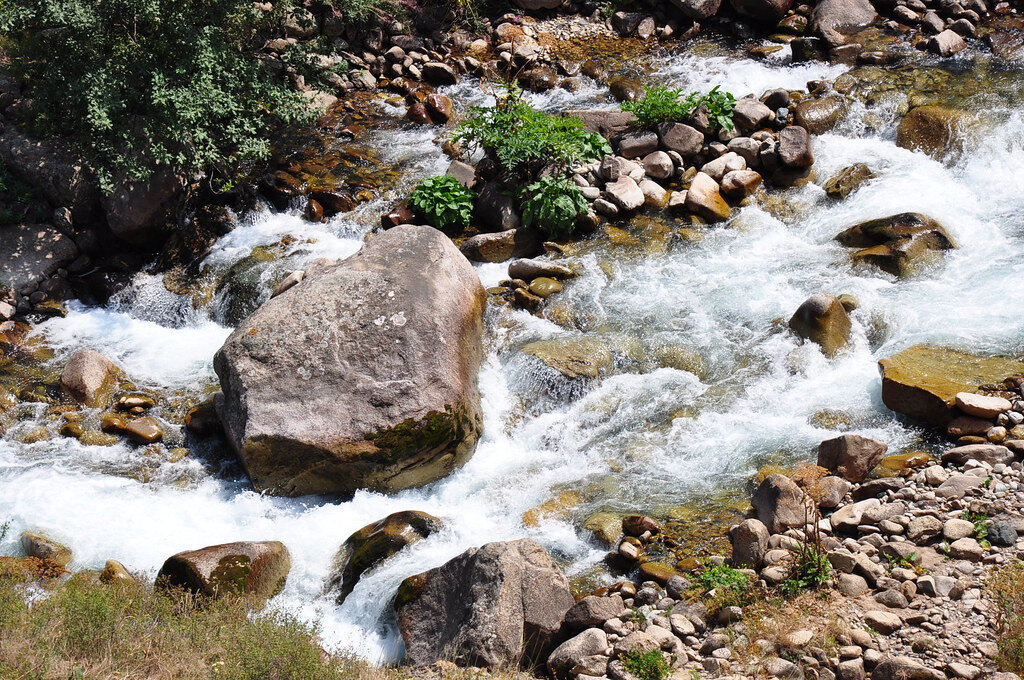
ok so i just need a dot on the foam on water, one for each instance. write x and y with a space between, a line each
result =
617 440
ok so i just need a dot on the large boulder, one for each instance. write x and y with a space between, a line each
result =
31 253
499 605
51 167
765 11
833 19
258 569
587 654
375 543
90 378
818 116
922 381
822 319
698 9
938 131
899 244
362 376
749 543
779 503
137 211
851 456
705 199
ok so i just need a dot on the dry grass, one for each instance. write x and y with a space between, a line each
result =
774 619
1006 588
86 630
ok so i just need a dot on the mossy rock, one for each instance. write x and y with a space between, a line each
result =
604 527
938 131
848 180
375 543
900 244
682 359
901 463
254 569
559 506
573 357
922 381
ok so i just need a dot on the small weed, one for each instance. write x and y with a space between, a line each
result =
662 105
636 616
721 576
646 665
811 570
980 522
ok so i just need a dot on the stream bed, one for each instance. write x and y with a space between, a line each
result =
647 437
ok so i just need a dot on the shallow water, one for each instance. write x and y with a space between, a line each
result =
616 442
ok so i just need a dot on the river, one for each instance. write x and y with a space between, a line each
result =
646 438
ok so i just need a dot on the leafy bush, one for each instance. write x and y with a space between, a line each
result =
142 84
810 570
664 105
646 665
1004 587
443 202
553 204
84 629
522 139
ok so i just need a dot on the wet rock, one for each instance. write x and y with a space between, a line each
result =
502 245
572 357
417 113
822 320
587 651
681 138
499 605
818 116
604 122
439 108
37 544
638 525
539 79
604 527
529 269
437 73
900 245
115 573
851 456
258 569
848 180
31 253
368 418
90 378
795 147
375 543
779 503
144 430
938 131
138 210
749 543
704 198
923 381
626 89
544 287
833 20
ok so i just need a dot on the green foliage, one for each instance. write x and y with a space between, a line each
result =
811 569
443 202
140 85
723 577
1004 589
665 105
636 616
980 522
553 204
86 629
523 140
646 665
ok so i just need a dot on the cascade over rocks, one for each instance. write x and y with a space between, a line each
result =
498 605
375 543
922 381
900 244
318 400
246 568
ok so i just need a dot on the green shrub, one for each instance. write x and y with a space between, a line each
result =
810 570
646 665
142 84
553 204
664 105
522 139
723 577
443 202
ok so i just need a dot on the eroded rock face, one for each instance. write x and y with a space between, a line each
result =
364 375
922 381
376 542
245 568
499 605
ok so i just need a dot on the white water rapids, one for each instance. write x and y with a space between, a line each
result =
617 443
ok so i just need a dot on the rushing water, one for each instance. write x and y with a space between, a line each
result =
645 438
